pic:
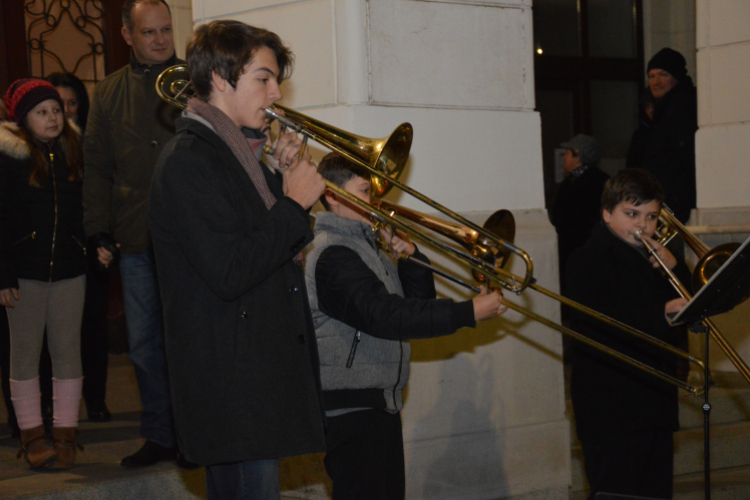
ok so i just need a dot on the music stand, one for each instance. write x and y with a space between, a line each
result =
729 286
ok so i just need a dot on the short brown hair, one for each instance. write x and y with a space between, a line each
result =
226 47
127 11
338 170
634 185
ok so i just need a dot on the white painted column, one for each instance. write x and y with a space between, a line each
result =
722 142
182 24
485 410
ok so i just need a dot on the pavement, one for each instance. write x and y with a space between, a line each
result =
98 473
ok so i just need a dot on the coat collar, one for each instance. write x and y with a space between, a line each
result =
603 237
13 145
11 142
141 69
330 222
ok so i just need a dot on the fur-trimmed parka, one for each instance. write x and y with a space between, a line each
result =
41 229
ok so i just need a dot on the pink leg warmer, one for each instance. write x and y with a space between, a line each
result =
27 401
66 401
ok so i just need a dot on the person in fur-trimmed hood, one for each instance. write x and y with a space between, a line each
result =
42 263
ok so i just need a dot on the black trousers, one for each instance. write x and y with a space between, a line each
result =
639 464
365 456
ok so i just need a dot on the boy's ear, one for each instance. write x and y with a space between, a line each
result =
331 198
606 215
218 82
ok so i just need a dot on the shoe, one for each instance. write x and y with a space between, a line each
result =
98 412
149 454
64 442
35 449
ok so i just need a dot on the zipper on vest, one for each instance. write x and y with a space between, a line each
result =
54 230
353 350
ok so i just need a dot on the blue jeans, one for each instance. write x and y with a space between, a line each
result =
251 480
143 317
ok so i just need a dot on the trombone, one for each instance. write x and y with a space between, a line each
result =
710 260
385 160
502 221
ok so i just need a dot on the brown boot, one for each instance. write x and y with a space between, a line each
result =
35 449
64 440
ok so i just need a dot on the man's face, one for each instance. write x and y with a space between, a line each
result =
256 89
626 218
660 82
359 187
570 161
151 37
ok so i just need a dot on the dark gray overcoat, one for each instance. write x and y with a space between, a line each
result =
241 350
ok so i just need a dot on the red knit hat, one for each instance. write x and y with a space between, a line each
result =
24 94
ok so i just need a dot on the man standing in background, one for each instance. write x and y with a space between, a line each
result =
669 152
127 127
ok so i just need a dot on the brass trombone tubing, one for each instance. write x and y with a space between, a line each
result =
582 338
384 217
696 245
290 122
448 229
730 353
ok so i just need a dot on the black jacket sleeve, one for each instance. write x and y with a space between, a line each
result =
351 293
416 281
8 277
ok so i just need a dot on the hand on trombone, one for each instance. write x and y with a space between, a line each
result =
302 182
665 255
488 305
284 151
398 244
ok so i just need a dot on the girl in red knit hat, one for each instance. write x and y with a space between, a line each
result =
42 263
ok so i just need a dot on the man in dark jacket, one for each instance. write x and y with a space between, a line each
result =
227 231
669 151
577 206
127 127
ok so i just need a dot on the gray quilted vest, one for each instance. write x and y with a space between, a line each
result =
376 362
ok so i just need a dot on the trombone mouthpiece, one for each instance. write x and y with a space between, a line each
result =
638 235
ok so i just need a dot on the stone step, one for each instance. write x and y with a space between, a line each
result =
726 484
729 398
730 448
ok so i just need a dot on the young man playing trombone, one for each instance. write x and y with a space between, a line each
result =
365 308
228 231
625 417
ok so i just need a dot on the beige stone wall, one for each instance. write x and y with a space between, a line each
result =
485 410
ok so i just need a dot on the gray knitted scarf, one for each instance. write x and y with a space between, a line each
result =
232 136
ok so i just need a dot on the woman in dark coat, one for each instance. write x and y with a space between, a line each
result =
94 346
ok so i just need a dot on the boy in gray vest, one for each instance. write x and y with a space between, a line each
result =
365 308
